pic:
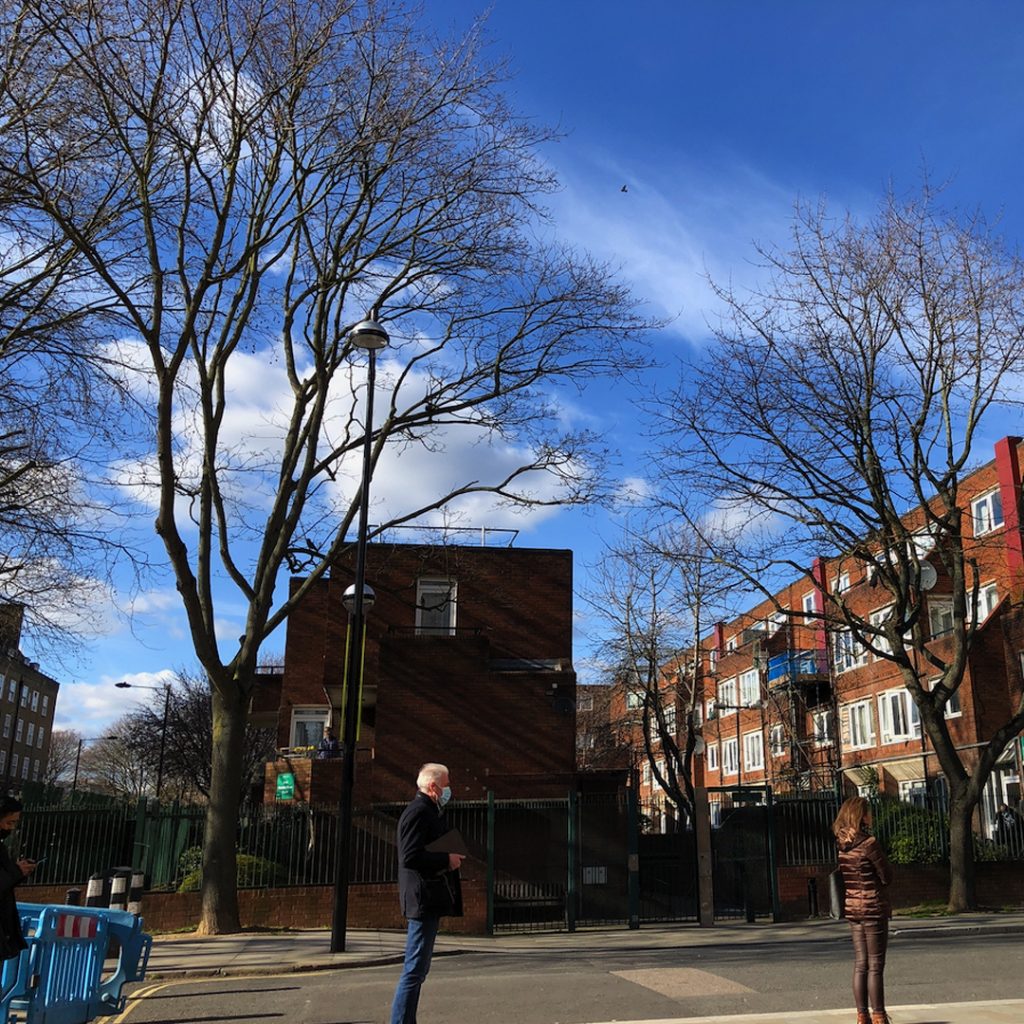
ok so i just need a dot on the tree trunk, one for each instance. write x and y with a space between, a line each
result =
220 888
962 889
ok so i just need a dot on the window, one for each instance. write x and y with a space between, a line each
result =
858 726
750 688
987 512
821 722
40 735
14 764
31 737
35 700
810 605
3 760
753 750
670 720
12 690
634 699
711 713
952 708
898 718
7 727
585 702
988 598
308 725
914 791
775 622
19 730
730 644
35 770
841 583
646 774
25 766
878 618
711 757
46 704
847 651
24 696
713 659
940 616
435 607
730 757
777 741
726 694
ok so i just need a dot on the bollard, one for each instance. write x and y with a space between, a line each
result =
138 883
119 889
73 898
812 897
94 890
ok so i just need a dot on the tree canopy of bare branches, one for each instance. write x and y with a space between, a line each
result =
839 412
243 182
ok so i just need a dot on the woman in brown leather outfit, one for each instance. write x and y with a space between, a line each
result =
866 876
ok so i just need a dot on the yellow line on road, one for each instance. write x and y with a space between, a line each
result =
136 997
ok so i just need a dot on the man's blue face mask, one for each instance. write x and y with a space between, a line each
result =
446 795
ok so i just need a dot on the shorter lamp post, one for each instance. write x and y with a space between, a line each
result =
166 688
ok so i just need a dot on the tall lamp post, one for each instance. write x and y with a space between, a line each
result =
163 728
370 336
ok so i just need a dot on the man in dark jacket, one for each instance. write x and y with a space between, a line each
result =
428 884
12 872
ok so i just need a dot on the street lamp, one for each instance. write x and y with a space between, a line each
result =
163 728
368 335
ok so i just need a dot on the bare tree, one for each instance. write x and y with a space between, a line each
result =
187 741
117 764
263 174
65 747
841 408
657 592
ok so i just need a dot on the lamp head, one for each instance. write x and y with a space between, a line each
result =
123 685
348 599
369 334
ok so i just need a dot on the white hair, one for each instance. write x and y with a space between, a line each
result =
429 773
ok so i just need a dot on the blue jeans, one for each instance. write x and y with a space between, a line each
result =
419 948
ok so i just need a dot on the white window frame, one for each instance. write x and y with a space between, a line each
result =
847 651
711 757
777 741
940 606
913 791
443 594
840 583
988 598
809 604
750 688
987 512
725 696
584 702
46 703
710 711
26 764
909 725
634 700
35 770
953 708
753 751
12 689
775 622
40 736
730 757
19 730
35 700
308 714
821 724
30 734
7 727
713 659
645 774
731 644
859 721
670 720
876 618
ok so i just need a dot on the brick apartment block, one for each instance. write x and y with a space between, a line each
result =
788 704
468 661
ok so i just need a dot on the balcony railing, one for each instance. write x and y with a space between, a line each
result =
795 664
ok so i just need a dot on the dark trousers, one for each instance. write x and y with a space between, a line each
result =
419 948
870 939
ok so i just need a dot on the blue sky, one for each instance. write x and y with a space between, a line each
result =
717 116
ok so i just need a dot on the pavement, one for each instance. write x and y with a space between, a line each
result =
256 953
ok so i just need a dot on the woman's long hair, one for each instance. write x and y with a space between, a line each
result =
851 816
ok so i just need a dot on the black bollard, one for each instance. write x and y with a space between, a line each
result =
73 898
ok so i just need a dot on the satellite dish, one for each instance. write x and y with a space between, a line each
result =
929 577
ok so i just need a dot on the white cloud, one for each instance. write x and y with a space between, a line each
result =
92 707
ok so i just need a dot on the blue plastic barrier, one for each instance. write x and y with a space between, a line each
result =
59 978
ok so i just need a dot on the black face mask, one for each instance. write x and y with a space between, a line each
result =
5 832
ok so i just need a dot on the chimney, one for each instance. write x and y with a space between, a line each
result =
11 617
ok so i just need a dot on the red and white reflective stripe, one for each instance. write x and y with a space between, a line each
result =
76 926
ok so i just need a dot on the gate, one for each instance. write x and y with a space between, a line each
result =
668 877
742 853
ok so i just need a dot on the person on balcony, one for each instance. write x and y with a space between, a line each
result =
12 873
328 746
867 875
428 884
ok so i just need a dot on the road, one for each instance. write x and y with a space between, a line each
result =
485 988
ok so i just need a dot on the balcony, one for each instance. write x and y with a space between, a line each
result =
797 666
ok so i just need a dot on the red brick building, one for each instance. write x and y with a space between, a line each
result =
790 703
468 661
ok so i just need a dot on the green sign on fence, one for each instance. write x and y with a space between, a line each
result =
286 786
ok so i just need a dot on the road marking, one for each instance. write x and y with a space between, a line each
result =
682 982
136 997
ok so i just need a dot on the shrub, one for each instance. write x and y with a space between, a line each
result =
911 835
252 873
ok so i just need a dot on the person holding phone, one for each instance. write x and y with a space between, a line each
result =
12 873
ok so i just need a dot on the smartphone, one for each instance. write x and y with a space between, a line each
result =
42 860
